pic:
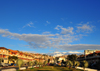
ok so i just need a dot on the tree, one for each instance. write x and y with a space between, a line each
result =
19 63
56 59
31 63
45 62
48 60
77 63
69 63
84 64
72 57
36 62
40 64
12 58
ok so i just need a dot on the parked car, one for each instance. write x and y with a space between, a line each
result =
4 64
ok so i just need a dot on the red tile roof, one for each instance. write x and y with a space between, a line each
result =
97 52
14 51
3 48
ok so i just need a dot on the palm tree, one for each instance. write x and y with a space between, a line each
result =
69 64
84 64
31 63
72 58
36 62
77 63
56 59
19 63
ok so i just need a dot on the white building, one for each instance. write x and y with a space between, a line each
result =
86 52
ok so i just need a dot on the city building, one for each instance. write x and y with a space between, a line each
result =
25 56
90 56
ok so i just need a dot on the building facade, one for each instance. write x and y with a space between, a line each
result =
25 56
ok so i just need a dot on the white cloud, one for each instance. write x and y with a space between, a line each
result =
46 32
56 52
75 52
47 22
29 25
71 22
39 40
29 51
64 53
85 27
36 40
60 54
79 46
47 39
69 30
62 19
98 20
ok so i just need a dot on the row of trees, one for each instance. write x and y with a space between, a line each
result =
72 61
20 62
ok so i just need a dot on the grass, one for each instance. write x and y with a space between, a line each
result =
51 68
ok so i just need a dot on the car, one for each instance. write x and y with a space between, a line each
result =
4 64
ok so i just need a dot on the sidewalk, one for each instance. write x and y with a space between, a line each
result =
87 69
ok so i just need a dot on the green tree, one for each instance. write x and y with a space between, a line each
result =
84 64
40 64
31 63
45 62
36 62
72 58
69 63
56 59
19 63
48 60
12 58
77 63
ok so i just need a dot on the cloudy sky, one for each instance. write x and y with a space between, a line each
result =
50 26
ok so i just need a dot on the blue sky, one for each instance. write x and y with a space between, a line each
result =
49 26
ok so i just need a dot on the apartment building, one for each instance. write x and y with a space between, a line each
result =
90 56
25 56
86 52
4 54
